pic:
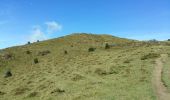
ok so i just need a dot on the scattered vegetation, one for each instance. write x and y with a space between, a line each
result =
7 56
8 74
165 74
20 90
127 61
80 75
28 42
2 93
28 52
65 52
77 77
150 56
43 53
33 94
100 71
107 46
58 90
91 49
36 60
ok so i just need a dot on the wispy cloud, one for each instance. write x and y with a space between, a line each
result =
37 34
53 27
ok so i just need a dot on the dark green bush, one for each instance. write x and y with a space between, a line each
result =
29 42
36 60
65 52
107 46
43 53
91 49
8 74
28 52
58 90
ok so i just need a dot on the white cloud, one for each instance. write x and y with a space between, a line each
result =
37 34
53 27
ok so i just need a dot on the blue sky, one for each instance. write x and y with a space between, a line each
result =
29 20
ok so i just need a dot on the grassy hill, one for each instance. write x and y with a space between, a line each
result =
66 70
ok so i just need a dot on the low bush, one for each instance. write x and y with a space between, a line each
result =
150 56
107 46
8 74
65 52
100 71
91 49
19 91
43 53
7 56
33 94
28 52
58 90
29 42
127 61
36 60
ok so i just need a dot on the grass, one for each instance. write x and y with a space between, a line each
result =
166 74
114 74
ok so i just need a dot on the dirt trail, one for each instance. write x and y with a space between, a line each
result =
160 89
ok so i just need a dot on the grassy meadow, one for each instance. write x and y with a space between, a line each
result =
66 70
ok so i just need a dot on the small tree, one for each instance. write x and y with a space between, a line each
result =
91 49
29 42
28 52
36 61
8 74
65 52
107 46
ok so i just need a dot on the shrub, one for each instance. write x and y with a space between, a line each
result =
33 94
43 53
107 46
28 52
29 42
58 90
153 41
150 56
127 61
65 52
8 74
91 49
7 56
2 93
100 71
36 61
77 77
20 90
